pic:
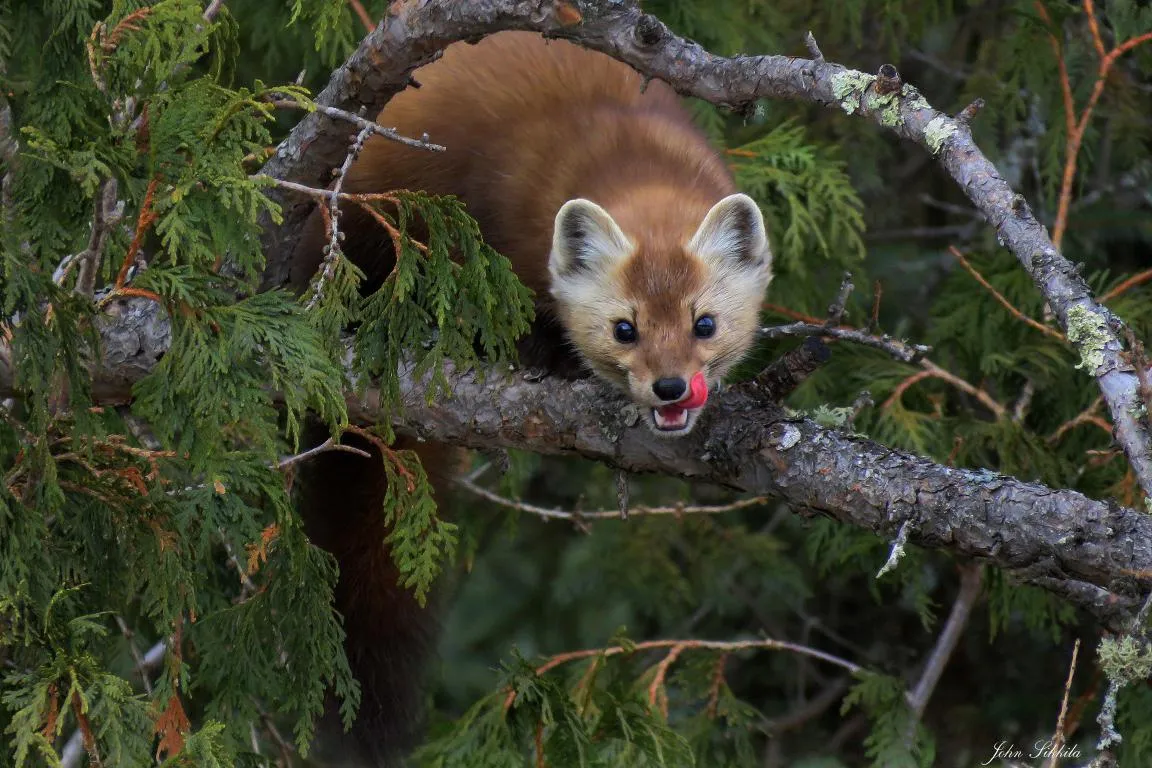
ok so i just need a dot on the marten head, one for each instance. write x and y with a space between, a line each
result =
660 316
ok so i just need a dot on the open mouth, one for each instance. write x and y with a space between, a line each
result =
679 416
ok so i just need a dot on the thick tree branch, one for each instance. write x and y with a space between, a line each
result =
1095 554
414 32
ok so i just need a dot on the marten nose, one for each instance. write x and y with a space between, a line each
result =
670 389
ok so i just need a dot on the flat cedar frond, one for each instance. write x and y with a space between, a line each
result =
812 210
896 740
443 300
121 522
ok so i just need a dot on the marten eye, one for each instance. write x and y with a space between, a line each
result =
705 327
624 332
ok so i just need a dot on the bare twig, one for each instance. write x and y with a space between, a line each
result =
933 371
364 123
327 445
965 115
811 709
813 49
362 14
837 310
676 647
141 668
971 582
1077 125
1090 415
213 8
332 252
106 216
901 350
1126 285
1059 737
783 375
607 514
1000 297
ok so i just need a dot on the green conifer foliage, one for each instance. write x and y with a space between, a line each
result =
160 602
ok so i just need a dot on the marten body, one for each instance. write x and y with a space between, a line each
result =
611 206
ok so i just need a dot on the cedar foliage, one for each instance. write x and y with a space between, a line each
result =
170 521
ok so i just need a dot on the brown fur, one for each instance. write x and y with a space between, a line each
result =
528 126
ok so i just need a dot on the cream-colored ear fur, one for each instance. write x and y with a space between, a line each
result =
585 237
733 234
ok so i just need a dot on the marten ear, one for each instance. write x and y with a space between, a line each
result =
584 237
734 232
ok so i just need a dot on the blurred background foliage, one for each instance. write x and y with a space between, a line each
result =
840 194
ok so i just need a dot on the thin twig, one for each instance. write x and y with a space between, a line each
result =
901 350
359 10
874 319
327 445
106 216
1094 28
333 252
606 514
1024 401
1089 415
813 49
709 645
1137 279
1077 127
212 9
971 582
129 635
363 123
811 709
933 371
837 310
1060 736
1000 297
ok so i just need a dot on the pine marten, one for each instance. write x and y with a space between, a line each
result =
647 266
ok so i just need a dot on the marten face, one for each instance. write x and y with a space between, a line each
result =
663 321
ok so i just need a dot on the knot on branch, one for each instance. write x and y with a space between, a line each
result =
649 30
787 373
965 115
888 80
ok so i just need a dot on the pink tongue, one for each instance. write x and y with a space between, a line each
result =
697 396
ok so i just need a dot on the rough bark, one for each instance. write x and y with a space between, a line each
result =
1094 554
415 31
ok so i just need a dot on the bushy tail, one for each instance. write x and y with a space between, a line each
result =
390 637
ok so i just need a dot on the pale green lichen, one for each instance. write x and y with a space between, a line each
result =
848 86
888 105
937 132
832 418
1088 331
1125 659
913 99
